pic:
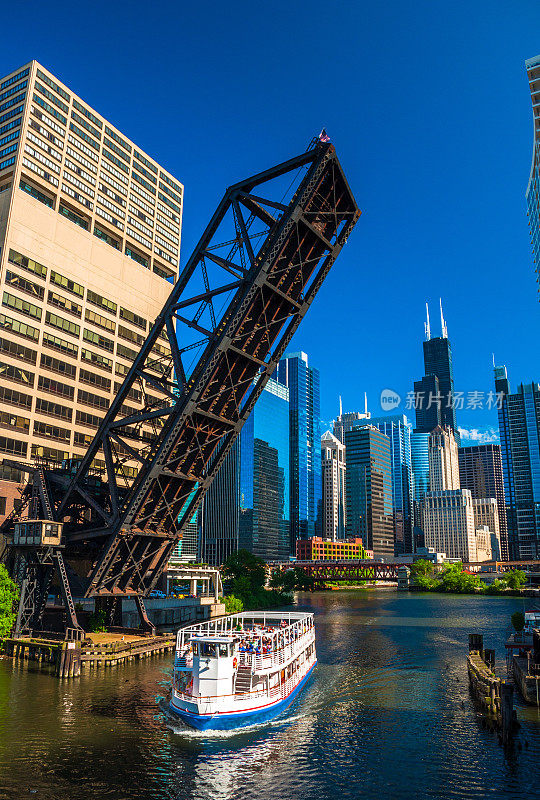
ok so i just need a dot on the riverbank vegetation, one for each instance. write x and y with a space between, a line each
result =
244 577
9 595
454 579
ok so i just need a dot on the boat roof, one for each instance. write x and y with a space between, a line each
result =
208 637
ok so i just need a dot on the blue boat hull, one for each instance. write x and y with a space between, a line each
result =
240 719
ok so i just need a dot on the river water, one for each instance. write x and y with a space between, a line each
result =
387 714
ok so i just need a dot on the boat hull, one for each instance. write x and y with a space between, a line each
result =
239 719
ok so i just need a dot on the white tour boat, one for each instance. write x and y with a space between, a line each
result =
241 669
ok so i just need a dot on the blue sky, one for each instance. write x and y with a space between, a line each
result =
427 103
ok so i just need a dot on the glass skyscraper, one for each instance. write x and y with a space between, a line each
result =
519 426
533 189
369 489
303 383
265 476
420 472
219 516
398 429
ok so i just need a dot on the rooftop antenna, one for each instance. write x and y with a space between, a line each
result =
444 329
427 329
493 359
365 403
340 407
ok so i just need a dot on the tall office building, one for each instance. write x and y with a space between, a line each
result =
480 470
219 516
486 517
333 514
89 242
449 523
519 427
303 383
443 461
369 489
420 475
265 477
439 400
345 421
398 429
533 188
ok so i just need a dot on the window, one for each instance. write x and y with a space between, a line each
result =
126 352
90 420
130 335
3 505
55 365
171 183
64 303
24 285
170 193
114 160
65 283
52 431
144 183
50 96
49 109
19 328
117 138
12 397
55 387
53 85
49 453
144 172
82 439
135 319
18 351
27 263
98 339
16 374
8 420
105 237
55 343
51 409
97 319
13 446
88 114
91 399
136 256
31 190
102 302
86 125
84 136
133 394
163 273
96 359
121 369
20 305
168 203
95 380
116 149
15 78
63 324
73 216
139 157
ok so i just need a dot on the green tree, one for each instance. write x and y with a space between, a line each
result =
284 580
244 564
514 578
9 594
422 567
233 605
518 620
304 580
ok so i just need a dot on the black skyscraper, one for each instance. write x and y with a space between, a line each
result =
437 364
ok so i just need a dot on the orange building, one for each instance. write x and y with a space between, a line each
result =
318 549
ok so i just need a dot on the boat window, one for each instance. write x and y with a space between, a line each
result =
195 648
208 649
223 650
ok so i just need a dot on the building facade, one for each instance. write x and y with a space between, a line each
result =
305 490
398 429
449 524
346 421
264 476
519 427
334 502
443 460
319 549
89 243
219 517
486 517
533 188
369 489
420 475
480 470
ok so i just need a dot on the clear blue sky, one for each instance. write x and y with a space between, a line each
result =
427 103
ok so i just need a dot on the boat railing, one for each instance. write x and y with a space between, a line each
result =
183 661
276 658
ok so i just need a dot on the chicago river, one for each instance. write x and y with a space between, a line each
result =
387 713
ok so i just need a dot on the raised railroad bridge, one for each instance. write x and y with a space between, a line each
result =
370 570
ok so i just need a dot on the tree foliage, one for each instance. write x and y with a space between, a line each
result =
515 578
518 620
9 595
423 568
244 576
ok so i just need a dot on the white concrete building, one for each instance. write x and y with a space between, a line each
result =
443 460
449 524
333 487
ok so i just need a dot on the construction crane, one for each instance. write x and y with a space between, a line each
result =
121 509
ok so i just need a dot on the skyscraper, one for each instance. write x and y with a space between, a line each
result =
89 242
264 476
533 188
303 383
333 514
219 517
519 427
480 470
369 489
398 429
346 421
437 363
443 461
420 473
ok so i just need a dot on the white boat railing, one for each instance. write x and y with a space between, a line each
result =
277 658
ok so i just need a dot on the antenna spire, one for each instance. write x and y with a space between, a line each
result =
365 403
444 329
427 328
340 407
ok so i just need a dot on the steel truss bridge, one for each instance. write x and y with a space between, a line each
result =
192 385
